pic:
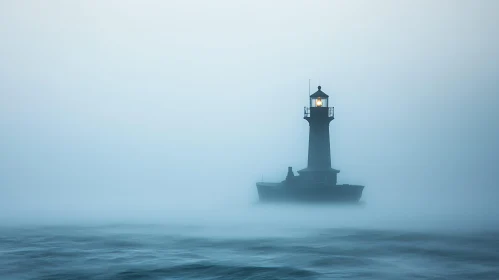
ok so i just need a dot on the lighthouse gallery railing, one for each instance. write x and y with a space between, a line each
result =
306 112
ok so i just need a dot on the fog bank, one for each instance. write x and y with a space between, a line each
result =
171 111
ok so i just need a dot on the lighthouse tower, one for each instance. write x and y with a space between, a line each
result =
319 115
317 182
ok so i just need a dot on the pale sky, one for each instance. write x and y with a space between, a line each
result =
136 104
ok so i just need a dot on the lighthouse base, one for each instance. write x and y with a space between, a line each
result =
308 192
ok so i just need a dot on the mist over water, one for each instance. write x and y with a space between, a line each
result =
132 135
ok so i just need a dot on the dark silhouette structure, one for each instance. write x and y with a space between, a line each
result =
317 182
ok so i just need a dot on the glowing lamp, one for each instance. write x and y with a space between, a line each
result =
318 102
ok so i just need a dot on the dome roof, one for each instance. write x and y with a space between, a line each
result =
319 93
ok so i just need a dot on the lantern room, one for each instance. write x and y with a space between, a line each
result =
319 99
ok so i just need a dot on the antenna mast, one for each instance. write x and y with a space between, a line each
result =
308 87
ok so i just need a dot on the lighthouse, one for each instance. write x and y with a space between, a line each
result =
318 115
318 181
